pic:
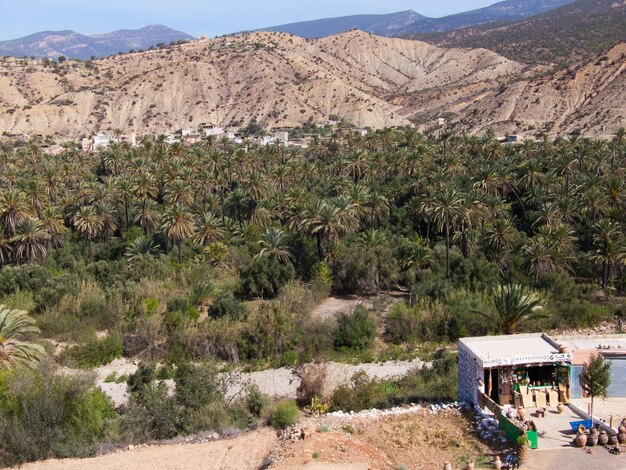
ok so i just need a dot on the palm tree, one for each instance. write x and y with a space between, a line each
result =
141 246
210 229
30 240
446 208
178 226
274 244
89 223
610 252
16 329
511 305
501 235
13 209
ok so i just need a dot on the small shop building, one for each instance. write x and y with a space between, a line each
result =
499 365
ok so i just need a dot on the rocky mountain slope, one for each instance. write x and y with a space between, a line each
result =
409 22
282 81
277 79
587 98
508 10
74 45
382 25
566 35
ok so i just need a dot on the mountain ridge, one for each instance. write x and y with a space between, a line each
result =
73 45
576 31
280 80
400 24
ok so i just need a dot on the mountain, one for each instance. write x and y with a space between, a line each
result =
588 98
408 22
278 79
381 25
74 45
508 10
566 35
281 80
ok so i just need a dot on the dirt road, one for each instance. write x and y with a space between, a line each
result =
243 452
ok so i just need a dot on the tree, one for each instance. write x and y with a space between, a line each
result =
446 209
274 244
178 226
596 378
512 305
89 223
16 329
30 240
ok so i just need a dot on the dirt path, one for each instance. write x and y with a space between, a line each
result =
332 306
247 451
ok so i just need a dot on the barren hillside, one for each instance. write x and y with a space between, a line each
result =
282 81
588 98
278 79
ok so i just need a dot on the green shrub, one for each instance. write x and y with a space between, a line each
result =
197 386
48 415
402 324
151 414
264 278
256 402
226 306
355 330
285 414
362 393
97 352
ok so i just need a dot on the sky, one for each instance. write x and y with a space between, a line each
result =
197 17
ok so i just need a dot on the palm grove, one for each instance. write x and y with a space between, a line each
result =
220 251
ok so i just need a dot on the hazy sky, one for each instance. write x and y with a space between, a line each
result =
209 17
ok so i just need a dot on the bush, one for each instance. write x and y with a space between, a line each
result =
264 278
226 306
97 352
355 330
436 383
312 380
362 393
48 415
151 414
197 386
285 414
402 324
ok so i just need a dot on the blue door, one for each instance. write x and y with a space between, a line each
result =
576 390
618 378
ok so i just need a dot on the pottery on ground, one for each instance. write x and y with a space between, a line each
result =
603 438
581 440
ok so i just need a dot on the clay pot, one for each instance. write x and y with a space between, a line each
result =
621 438
592 440
622 429
612 439
581 440
560 408
603 438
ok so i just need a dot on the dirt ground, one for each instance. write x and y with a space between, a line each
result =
247 451
415 441
418 439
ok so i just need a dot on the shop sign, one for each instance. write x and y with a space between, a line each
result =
527 359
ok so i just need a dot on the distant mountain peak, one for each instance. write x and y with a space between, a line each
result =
74 45
381 25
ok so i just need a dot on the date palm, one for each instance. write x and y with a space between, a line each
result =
446 208
210 229
16 347
13 209
274 244
511 305
178 226
88 222
30 241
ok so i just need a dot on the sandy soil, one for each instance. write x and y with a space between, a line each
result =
247 451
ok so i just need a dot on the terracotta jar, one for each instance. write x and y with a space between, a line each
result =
592 439
613 439
560 407
621 438
581 439
603 438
